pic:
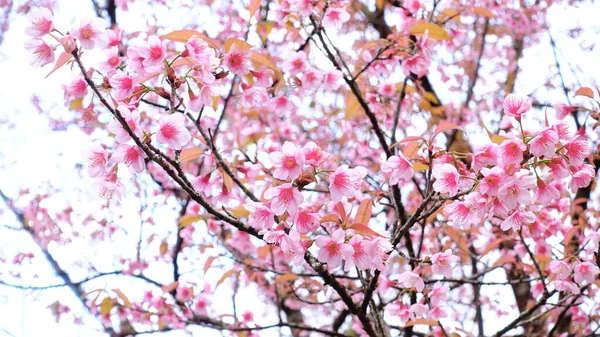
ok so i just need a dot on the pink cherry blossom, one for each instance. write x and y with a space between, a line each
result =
416 64
41 52
438 294
398 168
511 152
419 310
577 150
447 179
564 285
313 154
184 294
306 221
312 78
109 186
172 131
154 53
514 192
562 110
559 269
518 219
293 247
133 121
288 162
88 31
333 249
260 216
284 197
437 312
41 22
492 180
515 105
332 80
295 63
544 143
442 263
585 271
582 177
237 61
344 182
111 60
546 194
78 88
123 85
486 156
335 17
96 160
360 255
131 156
409 279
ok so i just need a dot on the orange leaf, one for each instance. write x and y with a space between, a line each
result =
62 59
435 32
421 321
286 278
169 287
352 107
239 43
341 211
189 154
585 91
188 219
503 260
225 276
185 34
164 248
363 215
123 297
492 246
254 6
482 11
362 229
331 218
208 263
444 126
106 306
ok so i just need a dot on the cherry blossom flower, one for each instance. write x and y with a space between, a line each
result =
295 63
442 262
492 180
577 150
131 156
109 185
264 77
133 121
546 193
313 154
41 22
237 61
447 179
559 269
195 47
306 221
419 310
378 249
517 219
515 191
303 8
154 53
409 279
123 85
486 156
516 106
544 143
288 162
172 131
331 80
459 213
344 182
41 52
293 248
68 43
312 78
253 96
398 168
260 216
335 17
562 110
333 249
76 89
511 152
564 285
111 60
582 177
437 312
416 64
360 256
184 294
438 294
89 30
585 271
284 198
96 160
204 185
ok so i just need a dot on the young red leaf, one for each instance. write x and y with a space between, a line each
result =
61 61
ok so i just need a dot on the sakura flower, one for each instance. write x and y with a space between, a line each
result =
577 150
585 271
293 248
517 219
313 154
284 198
401 311
253 96
546 193
333 249
109 185
264 77
409 279
303 8
442 263
312 78
419 310
184 294
154 53
582 177
288 163
41 52
378 250
437 312
564 285
194 47
516 106
131 156
68 43
295 63
514 192
306 221
562 110
88 31
133 121
345 181
416 64
203 185
398 168
544 143
237 61
447 179
334 18
360 255
511 152
111 60
559 269
41 22
172 131
332 80
96 160
492 180
76 89
260 216
122 85
438 294
486 156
